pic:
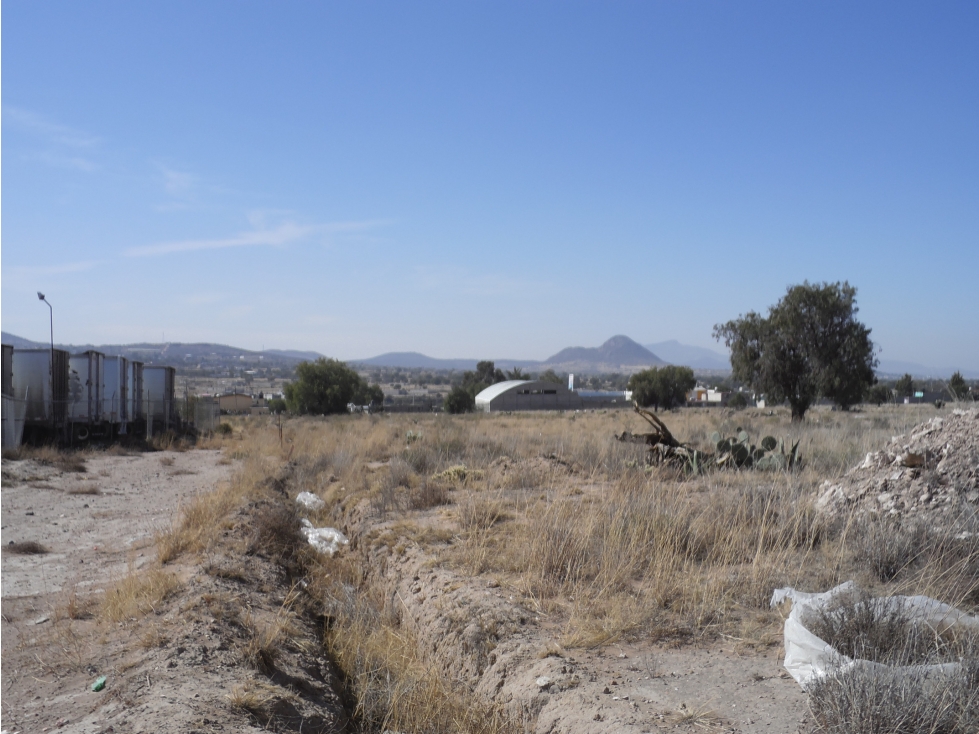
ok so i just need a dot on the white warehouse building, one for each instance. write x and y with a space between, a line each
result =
527 395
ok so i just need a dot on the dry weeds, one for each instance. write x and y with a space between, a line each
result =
572 520
138 594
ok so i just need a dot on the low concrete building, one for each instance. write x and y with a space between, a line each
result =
527 395
236 403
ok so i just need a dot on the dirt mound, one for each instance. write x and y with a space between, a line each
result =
932 475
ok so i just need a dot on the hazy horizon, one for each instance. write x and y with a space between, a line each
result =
472 179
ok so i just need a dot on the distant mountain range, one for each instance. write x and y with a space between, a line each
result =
697 357
173 353
618 354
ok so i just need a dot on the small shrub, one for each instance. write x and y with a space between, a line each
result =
889 547
26 548
278 533
429 494
875 699
458 474
224 429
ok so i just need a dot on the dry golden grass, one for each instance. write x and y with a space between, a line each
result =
268 634
138 594
556 509
259 697
395 686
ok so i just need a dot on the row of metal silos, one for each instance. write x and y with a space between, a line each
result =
49 393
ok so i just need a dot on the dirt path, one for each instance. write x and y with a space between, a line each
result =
96 526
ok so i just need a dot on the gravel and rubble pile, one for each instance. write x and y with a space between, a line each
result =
932 474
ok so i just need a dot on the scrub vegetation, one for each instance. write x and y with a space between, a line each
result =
576 526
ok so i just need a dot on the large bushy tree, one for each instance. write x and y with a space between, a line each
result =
665 387
328 386
459 400
809 346
462 398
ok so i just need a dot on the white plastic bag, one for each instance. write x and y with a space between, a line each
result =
324 540
808 657
310 501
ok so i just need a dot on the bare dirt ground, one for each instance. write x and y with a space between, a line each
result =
178 666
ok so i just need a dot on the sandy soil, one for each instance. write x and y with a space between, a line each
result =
96 526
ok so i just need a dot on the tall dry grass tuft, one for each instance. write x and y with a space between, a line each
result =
138 594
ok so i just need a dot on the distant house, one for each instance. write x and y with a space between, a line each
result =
235 403
707 396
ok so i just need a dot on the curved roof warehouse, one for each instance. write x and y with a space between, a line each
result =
527 395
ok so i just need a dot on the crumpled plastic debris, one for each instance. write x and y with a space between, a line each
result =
310 501
99 683
809 658
324 540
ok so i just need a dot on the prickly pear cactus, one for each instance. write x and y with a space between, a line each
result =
740 452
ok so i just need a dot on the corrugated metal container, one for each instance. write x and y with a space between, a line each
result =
159 384
87 371
136 412
8 370
47 399
115 403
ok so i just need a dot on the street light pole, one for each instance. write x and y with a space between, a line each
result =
40 297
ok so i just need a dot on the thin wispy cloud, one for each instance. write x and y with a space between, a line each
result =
43 127
182 188
284 234
60 146
77 162
178 183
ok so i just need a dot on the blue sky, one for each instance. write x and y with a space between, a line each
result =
487 179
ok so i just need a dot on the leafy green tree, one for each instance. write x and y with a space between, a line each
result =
958 387
459 400
369 395
879 394
325 386
810 345
551 376
737 401
516 374
277 405
485 375
905 386
645 388
665 387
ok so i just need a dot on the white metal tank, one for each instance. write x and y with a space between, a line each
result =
115 398
46 390
87 387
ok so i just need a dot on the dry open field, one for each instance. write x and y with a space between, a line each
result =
505 573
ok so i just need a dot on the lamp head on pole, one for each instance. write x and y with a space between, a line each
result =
40 296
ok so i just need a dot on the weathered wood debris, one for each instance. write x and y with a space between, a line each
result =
738 452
